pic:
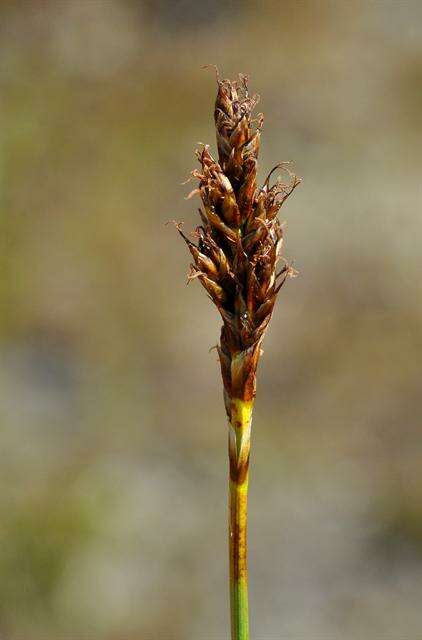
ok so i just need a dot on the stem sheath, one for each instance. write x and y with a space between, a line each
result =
239 448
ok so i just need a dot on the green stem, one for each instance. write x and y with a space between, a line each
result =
238 561
239 446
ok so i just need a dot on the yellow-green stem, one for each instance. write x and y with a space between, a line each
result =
239 447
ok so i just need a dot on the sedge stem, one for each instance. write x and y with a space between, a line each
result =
239 446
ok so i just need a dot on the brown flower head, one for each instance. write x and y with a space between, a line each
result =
237 253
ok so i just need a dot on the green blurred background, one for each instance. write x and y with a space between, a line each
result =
113 437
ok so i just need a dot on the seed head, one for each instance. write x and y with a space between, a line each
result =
238 243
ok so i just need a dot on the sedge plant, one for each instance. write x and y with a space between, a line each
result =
236 254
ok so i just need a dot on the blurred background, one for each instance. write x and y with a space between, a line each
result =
113 436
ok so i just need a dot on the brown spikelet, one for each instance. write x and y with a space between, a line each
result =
240 237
